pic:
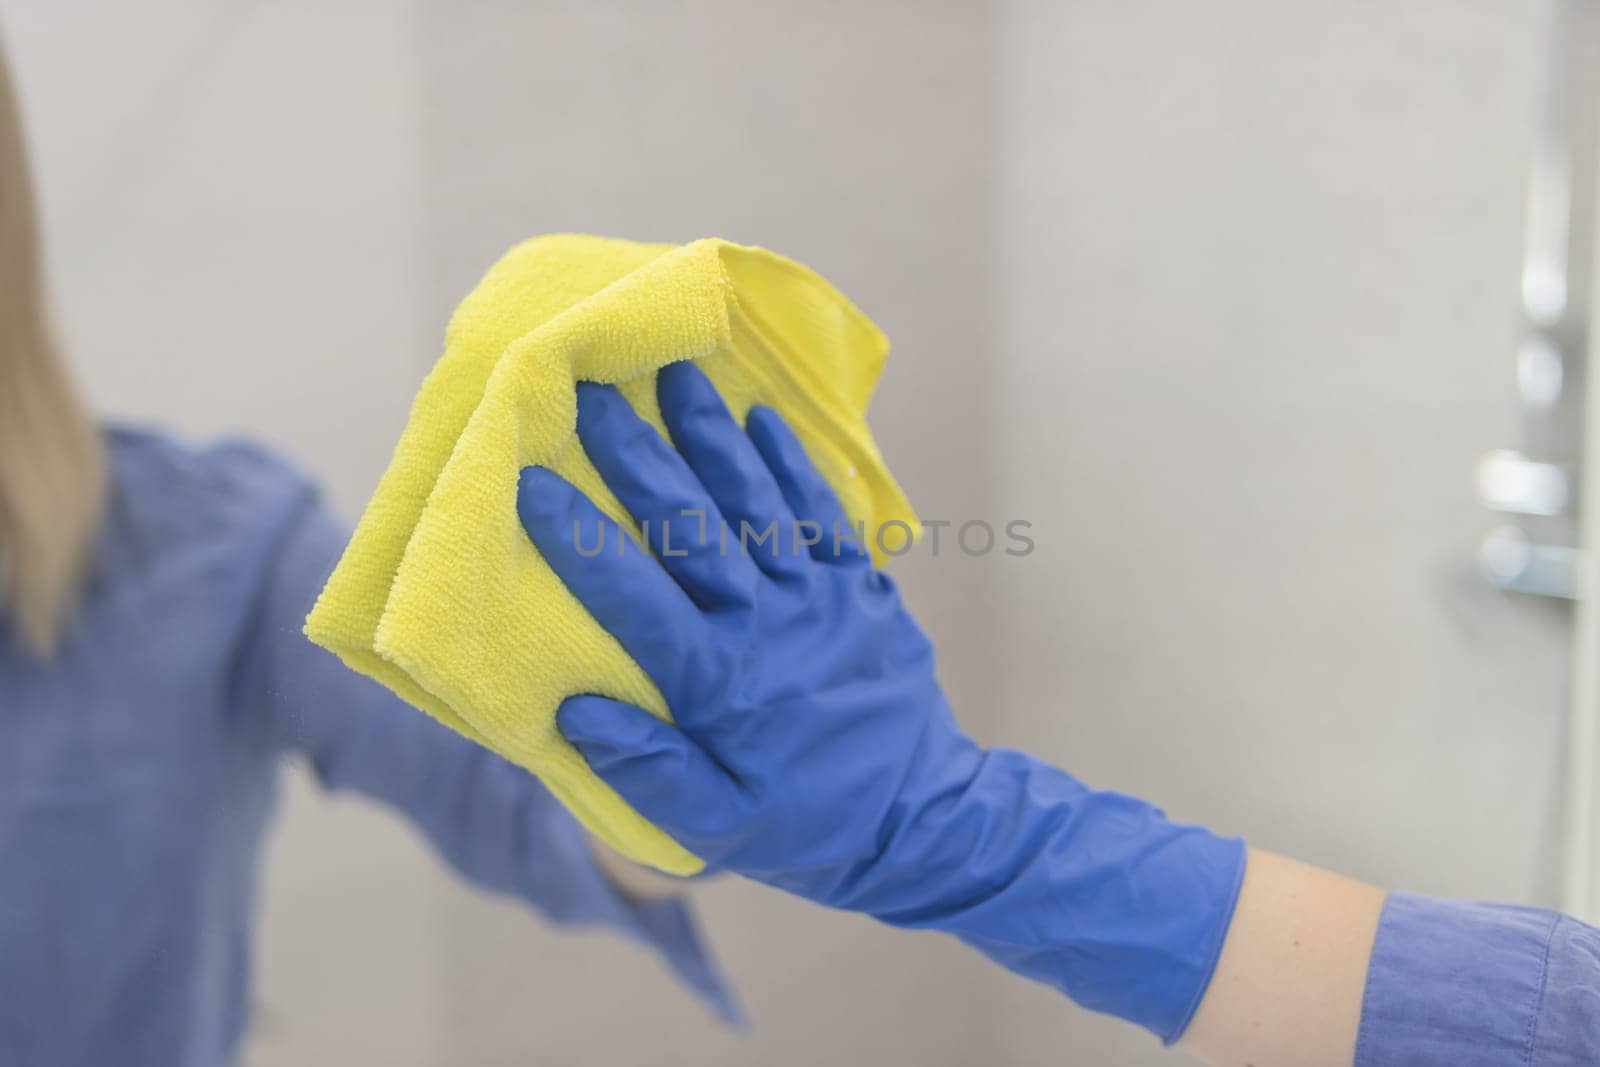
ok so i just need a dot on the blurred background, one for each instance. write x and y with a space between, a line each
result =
1223 298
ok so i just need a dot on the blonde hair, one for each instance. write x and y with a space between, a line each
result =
52 461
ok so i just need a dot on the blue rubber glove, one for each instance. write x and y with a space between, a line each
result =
813 749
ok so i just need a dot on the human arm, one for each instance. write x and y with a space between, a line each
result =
812 750
1319 969
812 747
492 821
1289 984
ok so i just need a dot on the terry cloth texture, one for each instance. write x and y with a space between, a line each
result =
441 596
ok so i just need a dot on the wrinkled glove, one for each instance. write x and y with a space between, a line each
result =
812 748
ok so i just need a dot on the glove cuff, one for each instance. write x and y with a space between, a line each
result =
1092 892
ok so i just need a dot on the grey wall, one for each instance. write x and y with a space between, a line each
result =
1221 298
1258 295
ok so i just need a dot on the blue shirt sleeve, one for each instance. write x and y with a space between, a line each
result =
491 820
1472 985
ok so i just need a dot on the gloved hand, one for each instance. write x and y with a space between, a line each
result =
812 747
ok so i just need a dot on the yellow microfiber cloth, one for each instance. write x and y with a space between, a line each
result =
441 596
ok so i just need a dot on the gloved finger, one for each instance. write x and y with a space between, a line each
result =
620 583
658 770
823 519
680 521
728 465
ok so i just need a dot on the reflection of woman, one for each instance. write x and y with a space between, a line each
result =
813 750
152 677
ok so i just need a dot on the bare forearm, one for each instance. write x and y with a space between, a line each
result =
1289 983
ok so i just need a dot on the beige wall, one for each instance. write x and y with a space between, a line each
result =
1221 298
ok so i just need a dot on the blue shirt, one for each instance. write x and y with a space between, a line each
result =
1460 984
139 767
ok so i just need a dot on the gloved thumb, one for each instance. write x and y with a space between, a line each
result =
656 768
